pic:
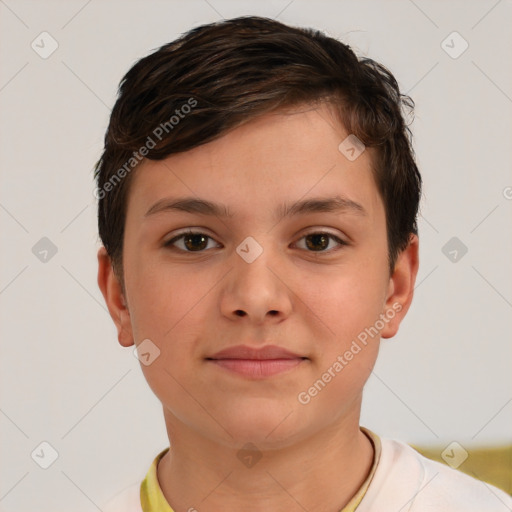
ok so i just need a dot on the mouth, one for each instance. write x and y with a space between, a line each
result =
256 363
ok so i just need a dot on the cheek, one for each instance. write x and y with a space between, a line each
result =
163 299
345 302
171 309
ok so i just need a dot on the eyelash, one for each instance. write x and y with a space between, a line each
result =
170 242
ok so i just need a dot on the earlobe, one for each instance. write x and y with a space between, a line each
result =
401 287
114 298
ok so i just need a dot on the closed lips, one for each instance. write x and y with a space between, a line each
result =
268 352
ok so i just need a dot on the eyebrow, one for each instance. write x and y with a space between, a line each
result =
337 204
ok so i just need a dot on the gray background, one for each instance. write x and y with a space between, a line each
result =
64 378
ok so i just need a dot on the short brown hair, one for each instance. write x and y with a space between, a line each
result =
229 72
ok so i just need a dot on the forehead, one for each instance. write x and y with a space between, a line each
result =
278 157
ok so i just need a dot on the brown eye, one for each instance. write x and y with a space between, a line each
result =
321 242
317 241
190 242
195 242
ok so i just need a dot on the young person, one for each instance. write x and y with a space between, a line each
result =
257 207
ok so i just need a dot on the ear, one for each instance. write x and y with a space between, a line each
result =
114 298
401 287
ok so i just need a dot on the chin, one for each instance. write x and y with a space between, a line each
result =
267 430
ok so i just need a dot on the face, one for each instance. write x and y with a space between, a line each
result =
284 244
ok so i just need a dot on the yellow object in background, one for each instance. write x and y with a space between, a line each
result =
491 465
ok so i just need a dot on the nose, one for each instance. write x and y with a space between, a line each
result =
257 291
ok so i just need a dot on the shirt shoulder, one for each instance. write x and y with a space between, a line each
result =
127 500
406 480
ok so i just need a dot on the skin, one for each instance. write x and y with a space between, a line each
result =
311 302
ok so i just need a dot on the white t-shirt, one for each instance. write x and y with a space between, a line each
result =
404 481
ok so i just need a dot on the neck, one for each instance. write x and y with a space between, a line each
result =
321 472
